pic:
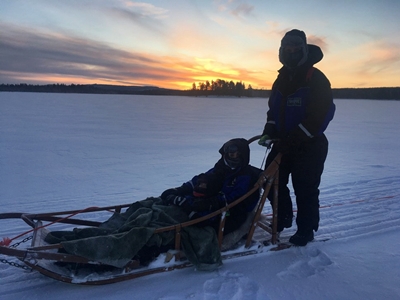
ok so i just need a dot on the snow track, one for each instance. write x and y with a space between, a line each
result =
370 214
372 209
61 152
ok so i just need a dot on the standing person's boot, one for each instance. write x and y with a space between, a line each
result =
302 237
284 222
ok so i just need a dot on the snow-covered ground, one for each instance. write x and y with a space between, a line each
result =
68 151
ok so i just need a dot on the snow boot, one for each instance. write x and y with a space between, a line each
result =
286 222
301 238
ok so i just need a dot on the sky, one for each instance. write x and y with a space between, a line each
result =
175 43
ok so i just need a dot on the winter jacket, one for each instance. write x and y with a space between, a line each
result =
234 183
301 101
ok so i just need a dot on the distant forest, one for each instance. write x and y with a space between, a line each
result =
218 87
222 87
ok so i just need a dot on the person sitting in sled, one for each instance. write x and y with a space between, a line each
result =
230 178
131 234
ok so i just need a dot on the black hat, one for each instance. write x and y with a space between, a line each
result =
239 145
295 32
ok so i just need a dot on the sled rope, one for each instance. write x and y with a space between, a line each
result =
7 241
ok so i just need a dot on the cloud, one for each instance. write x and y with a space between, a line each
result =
138 17
379 62
26 51
234 7
242 9
319 41
372 64
147 9
33 55
384 54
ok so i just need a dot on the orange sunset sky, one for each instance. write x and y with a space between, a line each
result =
175 43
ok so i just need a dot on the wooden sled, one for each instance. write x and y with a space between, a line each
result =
49 261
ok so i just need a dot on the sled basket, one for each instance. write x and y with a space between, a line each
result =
51 260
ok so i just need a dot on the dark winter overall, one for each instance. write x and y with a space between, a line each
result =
300 108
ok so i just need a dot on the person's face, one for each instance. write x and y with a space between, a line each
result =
292 55
233 155
203 185
292 49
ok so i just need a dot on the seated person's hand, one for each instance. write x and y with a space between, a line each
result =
167 193
176 200
205 204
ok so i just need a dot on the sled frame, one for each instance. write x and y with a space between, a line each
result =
268 180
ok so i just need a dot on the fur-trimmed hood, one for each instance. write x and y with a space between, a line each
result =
243 148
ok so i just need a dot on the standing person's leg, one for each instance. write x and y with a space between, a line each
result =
306 177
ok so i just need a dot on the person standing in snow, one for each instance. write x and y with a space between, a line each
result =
230 178
300 109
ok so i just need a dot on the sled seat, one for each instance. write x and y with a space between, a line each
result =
47 258
267 180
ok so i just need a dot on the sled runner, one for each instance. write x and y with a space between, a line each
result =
54 261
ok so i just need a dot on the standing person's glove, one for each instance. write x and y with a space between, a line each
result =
265 141
292 142
270 129
269 133
286 145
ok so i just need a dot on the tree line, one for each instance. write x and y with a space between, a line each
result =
379 93
221 87
218 87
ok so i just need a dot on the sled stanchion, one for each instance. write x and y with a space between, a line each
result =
27 220
221 229
178 242
256 218
275 208
270 178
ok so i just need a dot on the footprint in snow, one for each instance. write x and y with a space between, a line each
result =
229 285
312 261
188 297
191 296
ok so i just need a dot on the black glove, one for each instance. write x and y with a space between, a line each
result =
167 193
193 215
292 142
205 204
184 189
176 200
270 130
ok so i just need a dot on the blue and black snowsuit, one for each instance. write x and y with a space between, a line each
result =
233 183
300 109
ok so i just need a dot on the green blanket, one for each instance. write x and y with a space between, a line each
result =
116 241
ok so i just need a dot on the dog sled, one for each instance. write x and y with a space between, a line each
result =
53 261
